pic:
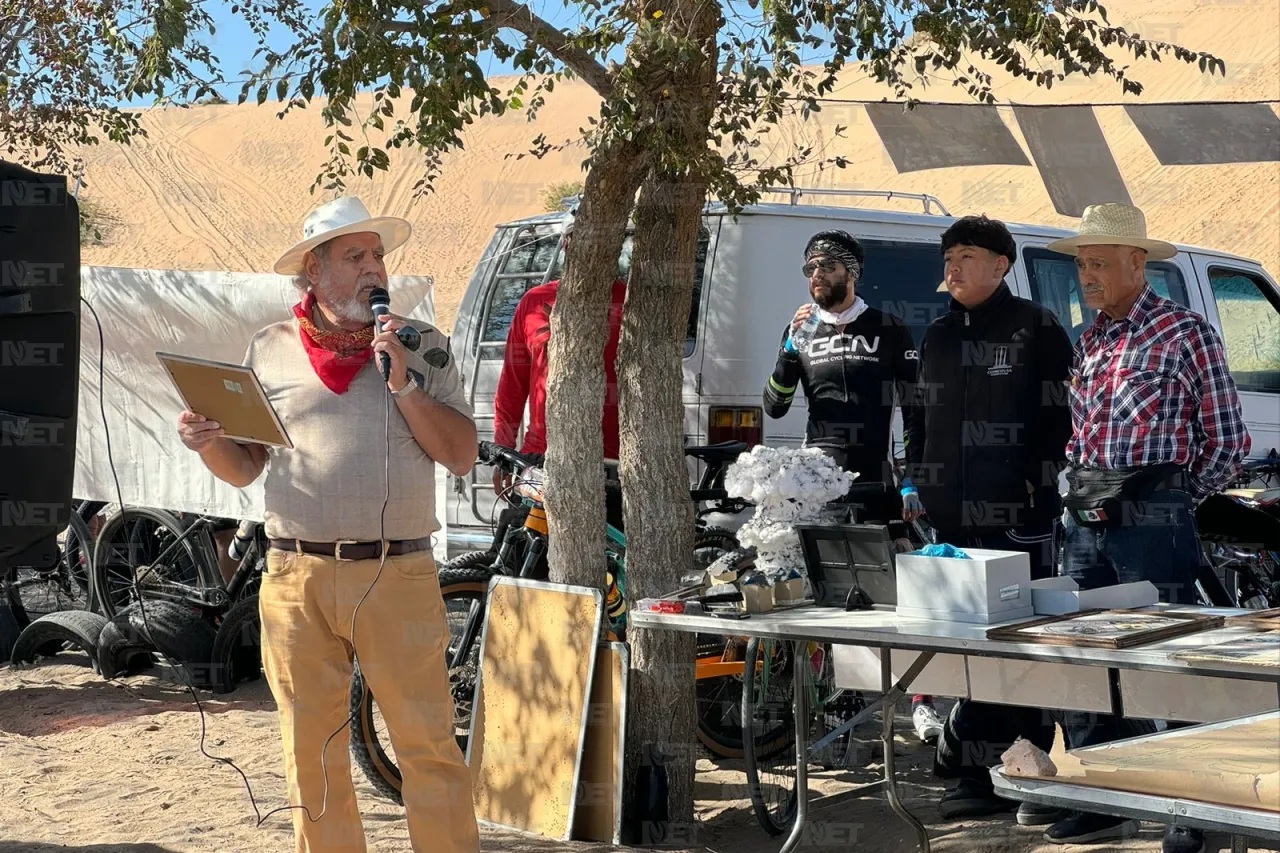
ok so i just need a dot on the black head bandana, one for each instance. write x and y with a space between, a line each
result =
838 247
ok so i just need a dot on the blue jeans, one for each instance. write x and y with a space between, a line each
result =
1157 542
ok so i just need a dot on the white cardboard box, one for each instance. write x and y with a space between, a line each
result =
993 586
1060 595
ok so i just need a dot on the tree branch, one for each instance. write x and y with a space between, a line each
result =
519 17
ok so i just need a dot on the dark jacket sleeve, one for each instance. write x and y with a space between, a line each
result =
1052 418
913 412
780 389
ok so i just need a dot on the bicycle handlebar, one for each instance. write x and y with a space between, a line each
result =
506 458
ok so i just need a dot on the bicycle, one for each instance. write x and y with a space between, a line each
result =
464 583
32 592
830 713
146 557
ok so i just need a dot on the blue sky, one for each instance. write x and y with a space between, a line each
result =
234 42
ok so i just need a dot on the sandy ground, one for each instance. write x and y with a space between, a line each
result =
226 187
116 768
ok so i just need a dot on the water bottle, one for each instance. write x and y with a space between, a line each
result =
803 336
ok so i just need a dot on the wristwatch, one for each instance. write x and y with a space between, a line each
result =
409 385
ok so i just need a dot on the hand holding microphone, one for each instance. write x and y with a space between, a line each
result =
395 339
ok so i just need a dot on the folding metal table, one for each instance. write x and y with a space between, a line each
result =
881 628
1240 824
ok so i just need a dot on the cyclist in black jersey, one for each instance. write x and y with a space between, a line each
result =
858 363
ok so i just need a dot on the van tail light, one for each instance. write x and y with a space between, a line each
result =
736 424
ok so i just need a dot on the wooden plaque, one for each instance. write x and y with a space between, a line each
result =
1105 629
529 718
229 394
599 813
1267 620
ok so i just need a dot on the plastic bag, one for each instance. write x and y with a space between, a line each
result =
944 550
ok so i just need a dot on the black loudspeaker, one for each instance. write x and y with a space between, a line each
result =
39 362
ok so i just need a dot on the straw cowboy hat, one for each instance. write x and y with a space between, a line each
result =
1114 225
336 218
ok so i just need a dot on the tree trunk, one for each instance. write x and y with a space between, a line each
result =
574 491
655 478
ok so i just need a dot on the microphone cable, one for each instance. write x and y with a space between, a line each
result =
181 670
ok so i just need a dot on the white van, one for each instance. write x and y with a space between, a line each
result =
748 284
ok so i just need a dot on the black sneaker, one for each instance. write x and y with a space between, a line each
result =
1181 839
1031 814
970 798
1086 828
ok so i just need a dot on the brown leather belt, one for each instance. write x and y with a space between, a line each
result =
348 549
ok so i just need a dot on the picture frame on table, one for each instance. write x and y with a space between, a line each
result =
1105 629
1264 620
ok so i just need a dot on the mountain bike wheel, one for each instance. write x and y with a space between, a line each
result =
767 704
463 581
138 536
32 593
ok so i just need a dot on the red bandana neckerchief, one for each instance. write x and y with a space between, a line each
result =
336 355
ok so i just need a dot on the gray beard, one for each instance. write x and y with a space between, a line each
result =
352 309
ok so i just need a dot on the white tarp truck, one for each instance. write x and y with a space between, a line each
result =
209 315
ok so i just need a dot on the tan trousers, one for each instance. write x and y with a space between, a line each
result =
401 637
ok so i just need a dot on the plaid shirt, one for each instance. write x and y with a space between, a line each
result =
1154 387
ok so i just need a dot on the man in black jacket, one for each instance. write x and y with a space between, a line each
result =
986 441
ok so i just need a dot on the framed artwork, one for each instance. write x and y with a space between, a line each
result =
1267 620
1262 649
1105 629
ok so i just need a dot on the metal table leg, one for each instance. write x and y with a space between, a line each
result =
799 679
891 696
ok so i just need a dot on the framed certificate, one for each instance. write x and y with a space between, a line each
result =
229 394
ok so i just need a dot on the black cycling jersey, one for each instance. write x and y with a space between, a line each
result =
851 377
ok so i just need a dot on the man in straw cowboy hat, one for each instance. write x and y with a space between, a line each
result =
350 568
1157 427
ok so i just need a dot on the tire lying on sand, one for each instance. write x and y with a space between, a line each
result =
121 649
180 633
237 648
53 632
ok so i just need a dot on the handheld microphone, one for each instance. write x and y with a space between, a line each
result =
380 303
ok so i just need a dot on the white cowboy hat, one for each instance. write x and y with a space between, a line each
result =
1114 224
338 217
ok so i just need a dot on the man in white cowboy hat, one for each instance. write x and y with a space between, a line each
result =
1157 427
350 566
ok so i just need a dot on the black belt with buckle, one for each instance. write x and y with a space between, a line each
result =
347 550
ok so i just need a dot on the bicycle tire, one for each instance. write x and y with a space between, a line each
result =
237 646
711 543
466 576
110 590
775 818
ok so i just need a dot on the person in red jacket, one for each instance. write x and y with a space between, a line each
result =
524 372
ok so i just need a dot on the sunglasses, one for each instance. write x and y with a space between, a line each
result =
824 265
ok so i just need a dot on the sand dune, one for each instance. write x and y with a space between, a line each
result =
226 187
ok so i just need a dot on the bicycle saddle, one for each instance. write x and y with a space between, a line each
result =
725 451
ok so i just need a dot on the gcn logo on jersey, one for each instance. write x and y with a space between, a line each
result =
839 344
